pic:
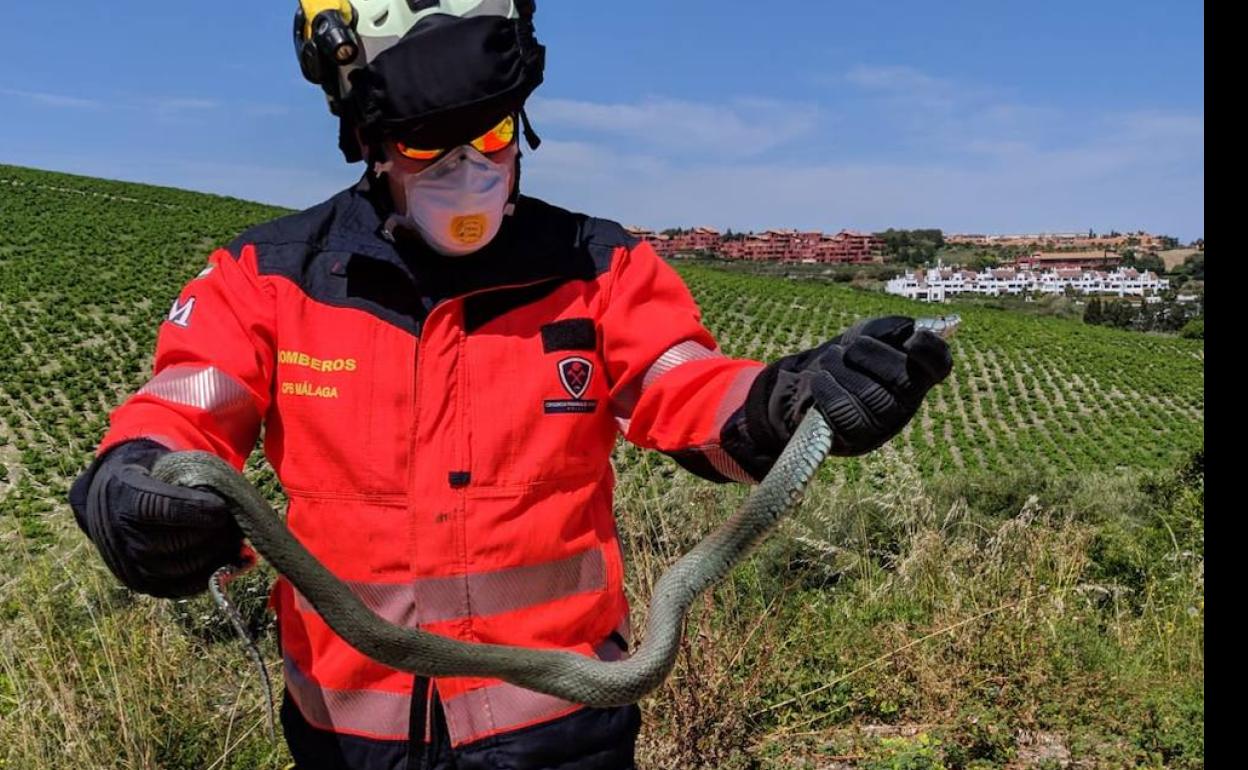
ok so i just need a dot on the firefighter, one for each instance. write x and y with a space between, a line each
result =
441 366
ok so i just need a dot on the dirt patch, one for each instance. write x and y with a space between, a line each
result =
1040 750
1176 257
1035 750
10 468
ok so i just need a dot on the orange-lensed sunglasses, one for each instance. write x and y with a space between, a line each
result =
497 138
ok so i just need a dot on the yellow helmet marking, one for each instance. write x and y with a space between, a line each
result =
314 8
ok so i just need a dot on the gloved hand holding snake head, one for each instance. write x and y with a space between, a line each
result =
867 382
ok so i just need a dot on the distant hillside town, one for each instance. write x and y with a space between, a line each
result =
1019 251
846 247
1138 240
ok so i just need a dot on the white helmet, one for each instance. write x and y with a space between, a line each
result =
370 27
383 22
459 62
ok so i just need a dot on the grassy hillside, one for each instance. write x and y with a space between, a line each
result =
1017 581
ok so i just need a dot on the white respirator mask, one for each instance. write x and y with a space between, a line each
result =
458 204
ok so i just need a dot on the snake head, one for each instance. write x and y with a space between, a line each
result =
944 326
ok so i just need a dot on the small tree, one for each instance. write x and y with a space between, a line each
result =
1094 313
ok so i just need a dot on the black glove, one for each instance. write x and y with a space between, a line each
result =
868 383
157 538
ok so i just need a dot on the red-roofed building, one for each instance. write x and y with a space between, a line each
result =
774 245
697 239
1056 260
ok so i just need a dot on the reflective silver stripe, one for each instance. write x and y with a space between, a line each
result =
387 715
733 398
736 393
503 706
430 600
202 387
377 714
393 601
488 710
166 441
626 401
677 355
212 390
727 467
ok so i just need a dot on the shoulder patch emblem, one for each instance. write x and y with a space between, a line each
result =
180 313
575 374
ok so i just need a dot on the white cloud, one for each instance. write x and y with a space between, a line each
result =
895 78
52 100
185 104
267 110
744 127
160 106
178 109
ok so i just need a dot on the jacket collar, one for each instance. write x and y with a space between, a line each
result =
537 243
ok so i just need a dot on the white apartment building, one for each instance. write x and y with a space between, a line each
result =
938 283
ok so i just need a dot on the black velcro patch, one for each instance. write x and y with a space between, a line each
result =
572 334
480 309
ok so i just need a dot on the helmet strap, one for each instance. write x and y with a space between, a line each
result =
530 136
349 141
515 186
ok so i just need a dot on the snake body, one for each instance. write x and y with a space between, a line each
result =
567 675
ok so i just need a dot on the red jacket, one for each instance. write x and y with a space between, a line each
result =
443 432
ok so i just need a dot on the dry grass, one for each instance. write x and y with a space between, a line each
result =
93 676
891 601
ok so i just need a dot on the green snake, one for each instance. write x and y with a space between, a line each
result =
567 675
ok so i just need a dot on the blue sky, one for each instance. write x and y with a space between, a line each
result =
965 115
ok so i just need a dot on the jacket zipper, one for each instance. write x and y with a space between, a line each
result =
418 752
423 687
